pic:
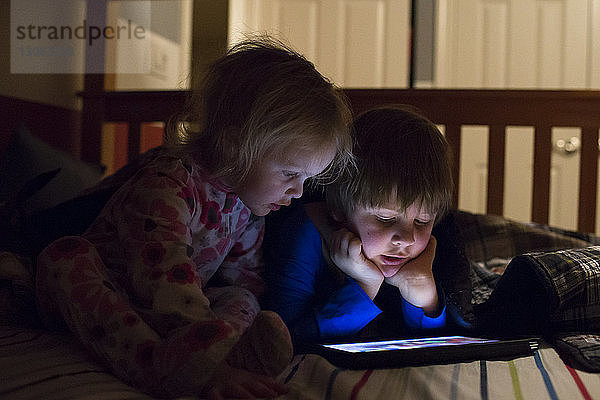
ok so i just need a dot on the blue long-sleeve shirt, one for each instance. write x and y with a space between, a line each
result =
315 299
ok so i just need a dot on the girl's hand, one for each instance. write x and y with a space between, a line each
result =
235 383
415 280
346 253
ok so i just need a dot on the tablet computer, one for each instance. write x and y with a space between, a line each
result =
422 351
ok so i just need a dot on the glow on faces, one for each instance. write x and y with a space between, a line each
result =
390 237
279 177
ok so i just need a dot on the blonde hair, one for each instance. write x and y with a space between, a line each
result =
401 157
262 97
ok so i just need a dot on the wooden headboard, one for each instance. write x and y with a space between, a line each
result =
497 109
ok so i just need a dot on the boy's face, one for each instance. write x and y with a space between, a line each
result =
390 238
279 177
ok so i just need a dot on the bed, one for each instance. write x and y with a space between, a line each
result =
556 267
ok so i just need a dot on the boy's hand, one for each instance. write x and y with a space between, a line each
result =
346 253
415 280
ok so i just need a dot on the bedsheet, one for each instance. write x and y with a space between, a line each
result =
36 364
540 376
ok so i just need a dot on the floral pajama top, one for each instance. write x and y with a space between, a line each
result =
164 282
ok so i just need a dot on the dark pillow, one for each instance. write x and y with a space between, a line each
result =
27 157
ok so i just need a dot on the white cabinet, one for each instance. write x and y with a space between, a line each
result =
356 43
543 44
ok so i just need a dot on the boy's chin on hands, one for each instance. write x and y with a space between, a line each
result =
389 269
419 289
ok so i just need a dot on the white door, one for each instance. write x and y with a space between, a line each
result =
546 44
356 43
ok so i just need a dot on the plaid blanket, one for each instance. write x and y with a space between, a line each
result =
539 276
492 237
582 351
536 278
554 291
573 275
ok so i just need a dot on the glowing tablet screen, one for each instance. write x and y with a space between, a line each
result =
404 344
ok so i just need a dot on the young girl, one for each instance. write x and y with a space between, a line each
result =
378 267
163 286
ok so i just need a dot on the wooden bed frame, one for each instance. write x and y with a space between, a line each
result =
497 109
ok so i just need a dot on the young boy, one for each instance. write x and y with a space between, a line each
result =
378 268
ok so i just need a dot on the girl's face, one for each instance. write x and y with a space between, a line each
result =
279 177
391 238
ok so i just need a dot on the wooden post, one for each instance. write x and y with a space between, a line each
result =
92 113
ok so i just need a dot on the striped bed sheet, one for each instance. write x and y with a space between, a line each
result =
540 376
40 365
36 364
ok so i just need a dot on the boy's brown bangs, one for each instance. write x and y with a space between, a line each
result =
400 197
402 181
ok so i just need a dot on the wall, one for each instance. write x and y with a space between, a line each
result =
55 89
46 103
